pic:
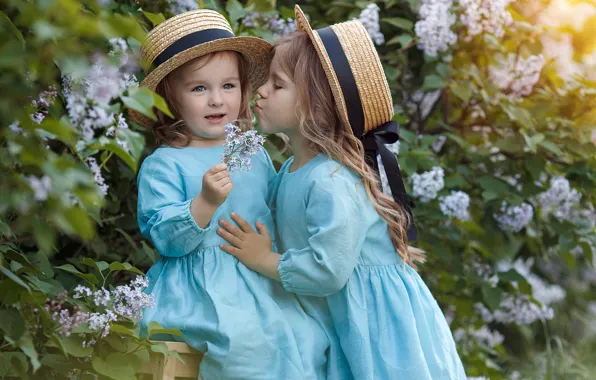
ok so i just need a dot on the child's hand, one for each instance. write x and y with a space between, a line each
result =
251 248
217 184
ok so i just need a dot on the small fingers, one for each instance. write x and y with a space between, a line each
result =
220 175
217 168
229 227
234 240
231 250
263 230
243 224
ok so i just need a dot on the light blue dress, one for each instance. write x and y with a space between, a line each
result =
247 325
336 248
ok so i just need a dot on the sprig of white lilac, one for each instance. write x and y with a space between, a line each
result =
278 25
41 187
240 147
517 74
467 338
393 148
514 218
485 16
434 27
542 291
560 200
369 17
456 205
99 180
427 185
181 6
124 301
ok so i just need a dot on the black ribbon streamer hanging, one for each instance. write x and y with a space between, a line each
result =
375 140
374 143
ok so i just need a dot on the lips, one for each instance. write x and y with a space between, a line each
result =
215 118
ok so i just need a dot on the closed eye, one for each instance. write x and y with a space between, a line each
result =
277 87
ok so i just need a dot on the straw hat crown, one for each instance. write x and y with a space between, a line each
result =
366 69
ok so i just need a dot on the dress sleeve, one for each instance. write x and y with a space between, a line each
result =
163 208
333 218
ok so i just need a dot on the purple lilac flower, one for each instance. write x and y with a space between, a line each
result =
240 147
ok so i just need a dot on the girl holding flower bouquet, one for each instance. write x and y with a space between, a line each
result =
246 325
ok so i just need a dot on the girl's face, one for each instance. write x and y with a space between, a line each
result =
208 94
277 106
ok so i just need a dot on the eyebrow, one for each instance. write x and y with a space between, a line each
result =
201 81
277 77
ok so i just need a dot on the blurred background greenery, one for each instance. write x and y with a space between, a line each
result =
497 105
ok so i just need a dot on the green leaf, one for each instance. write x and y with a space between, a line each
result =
135 143
155 18
492 297
13 364
25 343
521 115
99 265
13 29
512 144
533 141
433 82
140 101
550 146
125 266
399 22
57 362
160 104
462 90
169 331
160 348
116 366
59 129
13 324
90 278
73 344
235 12
588 252
511 276
13 277
120 329
494 185
535 166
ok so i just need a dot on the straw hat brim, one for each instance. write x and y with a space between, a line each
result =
256 51
302 24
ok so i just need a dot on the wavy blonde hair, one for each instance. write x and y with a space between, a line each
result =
325 133
173 131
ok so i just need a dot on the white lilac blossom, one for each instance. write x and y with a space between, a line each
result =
545 293
456 205
427 185
434 28
514 218
369 17
40 186
82 291
240 147
518 309
181 6
101 322
393 148
101 297
281 27
560 199
465 338
129 301
99 180
485 16
438 144
517 74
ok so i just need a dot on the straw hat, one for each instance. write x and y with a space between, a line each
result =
362 95
354 71
193 34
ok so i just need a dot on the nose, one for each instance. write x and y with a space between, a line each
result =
215 98
262 91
